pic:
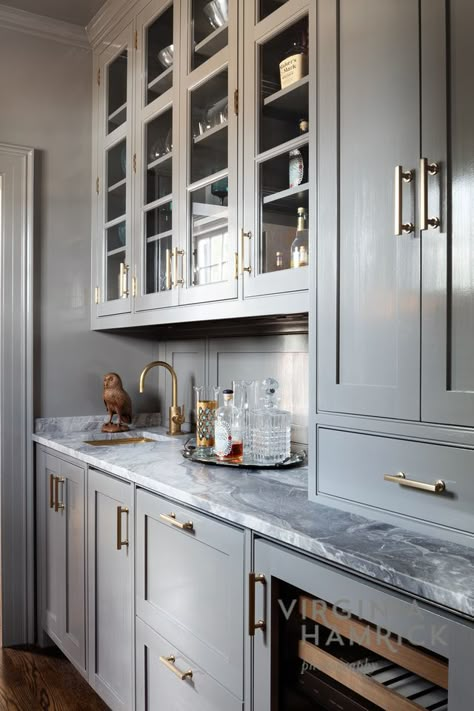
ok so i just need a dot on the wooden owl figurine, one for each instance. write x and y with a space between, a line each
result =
117 402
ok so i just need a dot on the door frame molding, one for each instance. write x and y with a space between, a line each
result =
16 414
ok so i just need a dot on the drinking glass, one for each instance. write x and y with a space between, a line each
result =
206 406
246 394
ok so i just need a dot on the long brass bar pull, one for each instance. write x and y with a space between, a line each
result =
401 176
254 578
437 488
179 281
171 518
123 279
169 663
243 235
425 170
58 505
120 543
51 491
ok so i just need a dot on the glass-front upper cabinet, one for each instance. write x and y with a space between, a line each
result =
113 245
207 260
157 126
279 147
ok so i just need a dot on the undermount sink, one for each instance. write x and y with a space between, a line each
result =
112 439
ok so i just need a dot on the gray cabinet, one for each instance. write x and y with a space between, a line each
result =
296 601
61 554
111 584
190 585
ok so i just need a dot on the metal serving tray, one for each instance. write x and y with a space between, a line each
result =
296 459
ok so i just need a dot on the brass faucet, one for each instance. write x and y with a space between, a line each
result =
176 412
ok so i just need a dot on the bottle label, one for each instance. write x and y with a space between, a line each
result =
222 439
293 69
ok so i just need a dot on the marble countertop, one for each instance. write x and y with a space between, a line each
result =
274 503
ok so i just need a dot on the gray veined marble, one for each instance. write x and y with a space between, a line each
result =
90 423
274 503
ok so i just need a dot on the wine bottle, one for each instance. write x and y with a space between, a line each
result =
299 246
298 160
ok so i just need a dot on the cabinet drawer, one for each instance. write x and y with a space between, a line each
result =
352 466
190 585
160 689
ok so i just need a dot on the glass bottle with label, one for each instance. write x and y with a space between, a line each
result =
297 165
294 65
228 434
299 246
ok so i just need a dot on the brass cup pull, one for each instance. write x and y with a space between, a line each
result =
437 488
169 663
259 624
243 235
171 518
425 170
120 543
401 176
58 505
51 491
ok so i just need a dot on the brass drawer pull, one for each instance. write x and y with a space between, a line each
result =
121 510
437 488
425 170
51 491
401 176
169 663
58 505
171 518
260 624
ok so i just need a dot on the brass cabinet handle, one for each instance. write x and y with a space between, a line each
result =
243 235
58 505
169 663
425 170
259 624
171 518
51 491
437 488
121 510
123 278
179 281
169 256
401 176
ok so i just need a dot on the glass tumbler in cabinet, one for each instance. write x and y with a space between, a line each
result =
279 154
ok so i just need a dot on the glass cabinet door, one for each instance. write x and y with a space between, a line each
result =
208 256
279 152
114 174
156 250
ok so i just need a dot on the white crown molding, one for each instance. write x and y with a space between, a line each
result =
109 15
41 26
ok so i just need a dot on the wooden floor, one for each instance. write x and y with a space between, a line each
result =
43 680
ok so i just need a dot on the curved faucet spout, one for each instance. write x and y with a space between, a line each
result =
176 413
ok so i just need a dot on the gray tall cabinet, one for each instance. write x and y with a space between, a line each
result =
395 277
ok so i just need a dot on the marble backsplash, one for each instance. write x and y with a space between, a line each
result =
90 423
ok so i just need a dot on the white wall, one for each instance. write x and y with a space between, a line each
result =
45 103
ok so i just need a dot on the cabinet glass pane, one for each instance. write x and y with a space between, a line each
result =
116 181
209 114
209 233
266 7
159 157
117 91
158 264
209 32
283 85
283 236
159 55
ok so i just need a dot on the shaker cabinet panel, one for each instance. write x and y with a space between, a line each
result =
368 276
190 585
448 250
110 566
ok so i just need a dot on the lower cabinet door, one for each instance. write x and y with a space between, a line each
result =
167 680
111 612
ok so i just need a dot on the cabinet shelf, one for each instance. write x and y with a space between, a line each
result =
292 100
160 161
213 43
210 132
289 199
163 81
116 116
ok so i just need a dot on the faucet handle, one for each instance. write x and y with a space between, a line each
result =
179 417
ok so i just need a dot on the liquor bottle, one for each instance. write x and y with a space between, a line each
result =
294 65
298 160
228 436
279 261
299 246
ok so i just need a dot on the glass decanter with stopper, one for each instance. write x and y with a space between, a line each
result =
270 428
228 434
